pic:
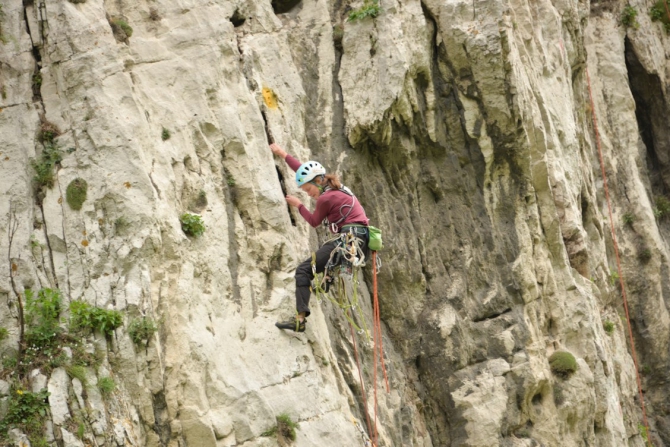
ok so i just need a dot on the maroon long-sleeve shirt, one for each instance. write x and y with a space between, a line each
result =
332 204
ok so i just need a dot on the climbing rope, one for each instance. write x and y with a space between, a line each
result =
616 253
343 263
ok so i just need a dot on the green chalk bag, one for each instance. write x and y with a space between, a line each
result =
375 241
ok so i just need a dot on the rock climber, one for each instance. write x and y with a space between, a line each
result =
337 207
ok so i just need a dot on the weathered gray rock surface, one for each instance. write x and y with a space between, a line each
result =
465 129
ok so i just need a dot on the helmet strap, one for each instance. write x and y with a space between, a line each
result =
321 188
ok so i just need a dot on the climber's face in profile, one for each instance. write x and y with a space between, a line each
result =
311 189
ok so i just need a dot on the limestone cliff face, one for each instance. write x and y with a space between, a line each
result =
465 129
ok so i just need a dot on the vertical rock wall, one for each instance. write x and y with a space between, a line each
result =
465 130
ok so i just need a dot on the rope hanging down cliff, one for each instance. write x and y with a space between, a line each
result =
618 260
336 273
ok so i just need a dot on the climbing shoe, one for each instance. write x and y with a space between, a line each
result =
293 324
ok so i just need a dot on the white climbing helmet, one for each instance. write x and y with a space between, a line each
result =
307 171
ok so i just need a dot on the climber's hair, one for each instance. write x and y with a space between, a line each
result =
333 181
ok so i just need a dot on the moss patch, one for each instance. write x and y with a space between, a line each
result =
75 194
563 364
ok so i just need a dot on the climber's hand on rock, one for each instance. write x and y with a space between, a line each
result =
277 150
293 201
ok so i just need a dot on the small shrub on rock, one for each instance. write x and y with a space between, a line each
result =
83 316
370 8
27 412
563 364
628 17
141 329
284 430
75 194
609 327
192 224
165 134
4 333
44 166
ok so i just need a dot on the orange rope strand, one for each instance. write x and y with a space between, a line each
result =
616 253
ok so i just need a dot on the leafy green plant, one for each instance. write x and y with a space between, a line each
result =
44 166
370 8
658 13
285 428
75 194
608 326
44 338
4 333
26 411
106 385
628 218
42 318
192 224
562 363
87 317
629 17
165 134
141 329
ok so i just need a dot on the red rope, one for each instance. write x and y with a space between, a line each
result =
618 260
360 377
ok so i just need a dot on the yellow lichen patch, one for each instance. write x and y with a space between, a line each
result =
127 185
14 267
270 98
84 243
60 200
84 232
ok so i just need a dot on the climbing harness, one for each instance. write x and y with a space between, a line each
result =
616 253
342 265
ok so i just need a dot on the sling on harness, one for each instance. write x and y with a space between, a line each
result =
334 226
